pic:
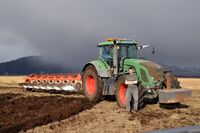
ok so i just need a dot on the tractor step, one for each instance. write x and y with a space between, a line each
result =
174 95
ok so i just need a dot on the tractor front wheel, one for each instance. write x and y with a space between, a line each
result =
120 93
91 84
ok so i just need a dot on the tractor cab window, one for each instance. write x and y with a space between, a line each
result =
128 51
107 54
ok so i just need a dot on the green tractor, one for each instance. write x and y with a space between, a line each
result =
105 76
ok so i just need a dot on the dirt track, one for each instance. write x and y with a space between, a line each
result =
22 110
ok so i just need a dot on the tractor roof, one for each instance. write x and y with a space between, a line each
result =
118 41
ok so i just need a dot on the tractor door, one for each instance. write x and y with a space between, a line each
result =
107 55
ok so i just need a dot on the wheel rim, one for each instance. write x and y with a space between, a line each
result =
90 85
122 93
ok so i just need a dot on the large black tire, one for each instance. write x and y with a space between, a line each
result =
120 93
91 84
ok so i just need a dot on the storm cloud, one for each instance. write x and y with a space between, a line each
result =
68 32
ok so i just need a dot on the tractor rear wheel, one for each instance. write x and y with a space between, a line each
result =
91 84
175 84
120 93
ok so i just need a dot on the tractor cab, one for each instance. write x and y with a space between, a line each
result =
114 51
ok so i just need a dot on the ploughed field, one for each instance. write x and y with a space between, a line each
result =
20 111
50 112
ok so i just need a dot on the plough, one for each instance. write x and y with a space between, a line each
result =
58 82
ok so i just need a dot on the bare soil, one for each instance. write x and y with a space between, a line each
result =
50 112
19 112
107 117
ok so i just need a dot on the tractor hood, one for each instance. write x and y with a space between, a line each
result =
153 70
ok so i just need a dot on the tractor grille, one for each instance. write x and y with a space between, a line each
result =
155 70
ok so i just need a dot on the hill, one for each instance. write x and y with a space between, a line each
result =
36 64
28 65
184 71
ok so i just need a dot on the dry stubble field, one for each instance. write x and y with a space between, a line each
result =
49 112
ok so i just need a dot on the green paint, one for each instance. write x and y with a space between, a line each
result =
104 70
136 64
101 67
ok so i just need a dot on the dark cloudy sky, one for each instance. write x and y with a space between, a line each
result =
69 30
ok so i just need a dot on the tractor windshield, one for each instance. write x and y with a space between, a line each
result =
124 51
107 54
128 51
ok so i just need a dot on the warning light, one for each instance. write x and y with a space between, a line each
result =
115 39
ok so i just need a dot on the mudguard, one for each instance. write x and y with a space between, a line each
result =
102 70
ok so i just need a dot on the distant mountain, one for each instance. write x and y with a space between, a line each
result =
184 71
36 64
28 65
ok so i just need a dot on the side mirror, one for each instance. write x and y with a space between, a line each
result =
142 46
153 50
146 46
